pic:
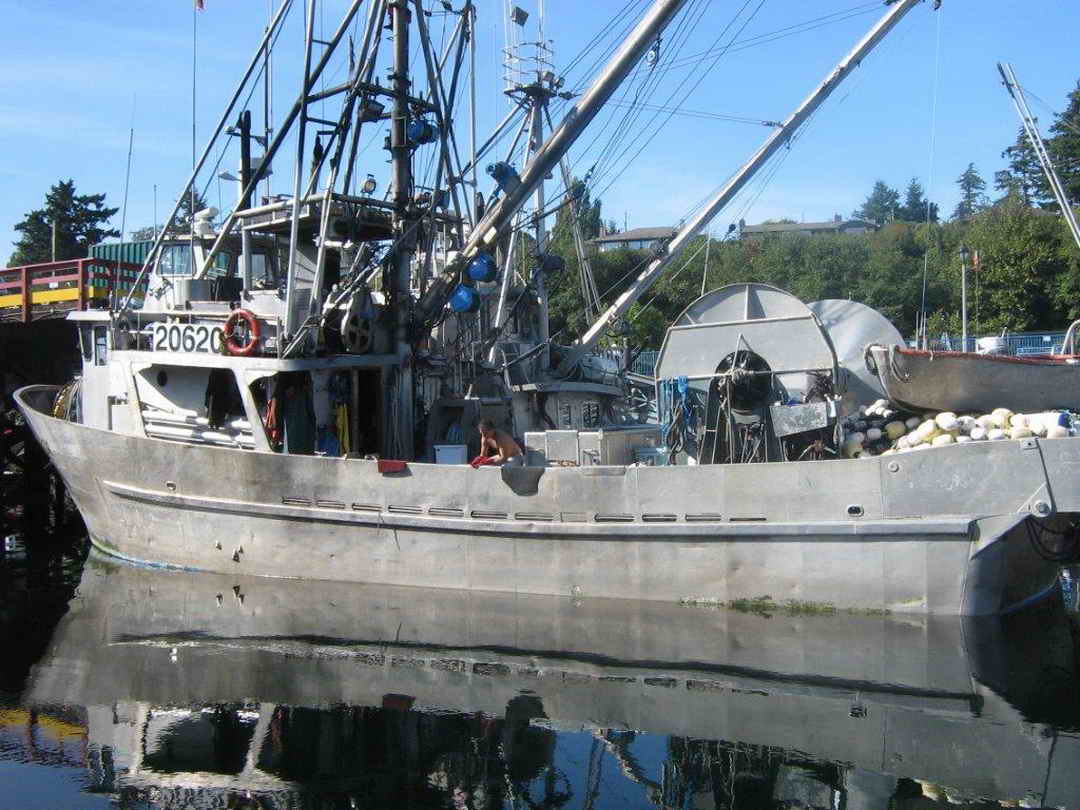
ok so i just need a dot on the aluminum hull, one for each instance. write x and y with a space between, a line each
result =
930 532
967 383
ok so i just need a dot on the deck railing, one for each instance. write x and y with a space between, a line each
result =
52 289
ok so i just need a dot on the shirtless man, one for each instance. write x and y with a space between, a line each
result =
503 449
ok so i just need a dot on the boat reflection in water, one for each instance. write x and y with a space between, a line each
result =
204 690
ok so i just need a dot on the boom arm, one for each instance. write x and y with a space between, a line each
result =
774 142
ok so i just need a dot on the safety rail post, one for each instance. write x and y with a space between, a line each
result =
26 295
81 266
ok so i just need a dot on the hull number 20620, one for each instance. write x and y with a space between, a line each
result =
187 337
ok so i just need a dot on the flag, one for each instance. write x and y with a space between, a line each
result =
198 5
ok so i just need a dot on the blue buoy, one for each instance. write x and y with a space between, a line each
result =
420 132
504 175
464 299
482 268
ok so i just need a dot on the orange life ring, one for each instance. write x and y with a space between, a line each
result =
252 324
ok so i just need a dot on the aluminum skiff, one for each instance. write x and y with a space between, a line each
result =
965 382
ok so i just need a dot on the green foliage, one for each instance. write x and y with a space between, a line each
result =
79 221
1064 146
972 196
916 207
882 205
1023 177
1023 262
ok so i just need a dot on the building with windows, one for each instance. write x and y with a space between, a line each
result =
834 225
635 239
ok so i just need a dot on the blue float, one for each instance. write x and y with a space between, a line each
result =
482 268
464 299
420 132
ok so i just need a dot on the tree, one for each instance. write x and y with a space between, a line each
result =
79 221
182 223
1064 146
881 206
1023 178
144 234
972 198
916 207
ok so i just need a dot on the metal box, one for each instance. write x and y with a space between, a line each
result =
451 454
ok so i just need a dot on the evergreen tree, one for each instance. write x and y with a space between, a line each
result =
1064 146
882 205
1023 178
916 207
972 196
79 221
182 224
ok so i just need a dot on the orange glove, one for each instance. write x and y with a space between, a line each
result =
481 461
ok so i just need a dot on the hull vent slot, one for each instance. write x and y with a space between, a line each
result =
542 516
288 500
366 507
614 518
405 510
446 511
659 518
748 519
481 514
330 504
704 517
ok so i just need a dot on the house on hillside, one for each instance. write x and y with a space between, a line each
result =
835 225
635 239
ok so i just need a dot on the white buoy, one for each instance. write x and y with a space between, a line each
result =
894 430
913 422
995 434
978 433
962 439
1020 432
946 420
852 449
1057 432
942 440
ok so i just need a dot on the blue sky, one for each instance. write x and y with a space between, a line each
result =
76 75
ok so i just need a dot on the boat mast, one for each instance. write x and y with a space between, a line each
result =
1022 109
404 232
773 143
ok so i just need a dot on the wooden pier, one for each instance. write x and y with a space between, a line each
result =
50 290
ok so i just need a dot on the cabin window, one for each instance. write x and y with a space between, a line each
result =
101 345
175 260
86 342
566 416
262 271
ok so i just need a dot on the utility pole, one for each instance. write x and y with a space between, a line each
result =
963 298
55 236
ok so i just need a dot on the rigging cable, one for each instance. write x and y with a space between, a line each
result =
700 78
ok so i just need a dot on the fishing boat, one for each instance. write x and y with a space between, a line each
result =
260 679
281 409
